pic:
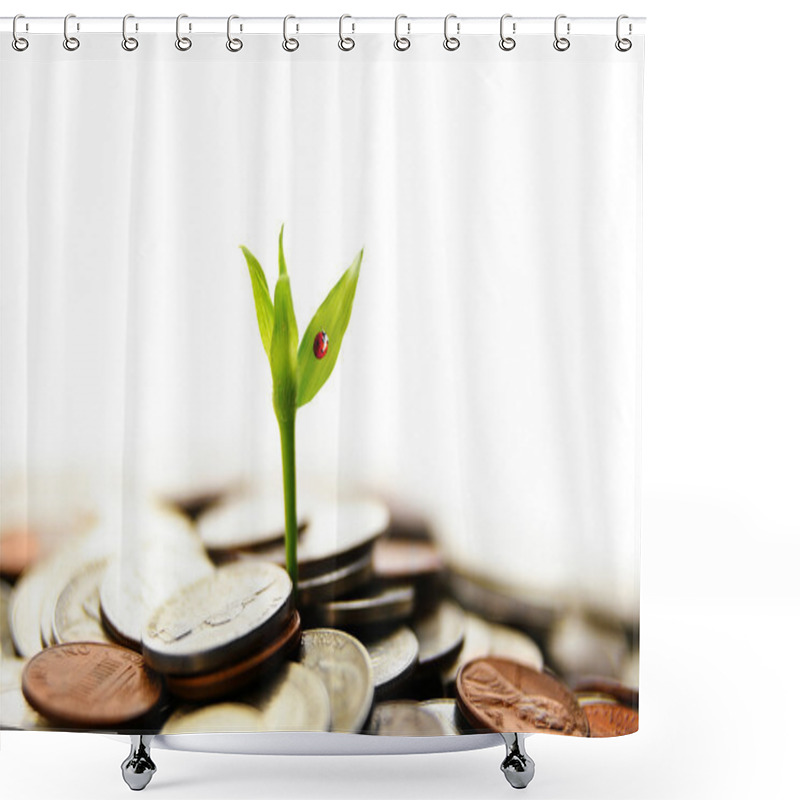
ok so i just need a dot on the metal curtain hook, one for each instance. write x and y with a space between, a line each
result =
623 45
289 44
506 42
181 42
233 44
450 42
18 42
129 43
401 42
561 43
345 42
70 42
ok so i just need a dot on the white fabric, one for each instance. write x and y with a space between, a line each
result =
489 376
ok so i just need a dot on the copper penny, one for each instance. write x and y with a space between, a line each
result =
211 685
90 685
501 695
19 547
406 559
621 693
611 719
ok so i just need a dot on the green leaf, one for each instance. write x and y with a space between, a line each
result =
332 317
264 308
283 353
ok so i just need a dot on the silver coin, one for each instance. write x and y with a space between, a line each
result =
77 614
159 554
246 522
214 718
516 645
295 699
405 718
337 534
17 714
344 666
440 634
446 710
388 606
6 642
331 585
11 673
579 646
218 619
477 643
394 658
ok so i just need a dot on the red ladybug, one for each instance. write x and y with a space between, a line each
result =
320 344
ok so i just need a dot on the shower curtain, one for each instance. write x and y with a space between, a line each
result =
319 380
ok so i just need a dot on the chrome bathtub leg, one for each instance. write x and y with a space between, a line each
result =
138 768
518 766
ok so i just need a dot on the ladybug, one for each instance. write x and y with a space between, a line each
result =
321 344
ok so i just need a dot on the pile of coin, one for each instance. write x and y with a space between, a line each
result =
189 610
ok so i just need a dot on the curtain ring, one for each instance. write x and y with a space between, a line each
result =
183 43
623 45
19 43
233 44
401 43
70 42
450 42
561 43
129 43
289 44
346 43
506 42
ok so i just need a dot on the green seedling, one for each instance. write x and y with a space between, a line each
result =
298 373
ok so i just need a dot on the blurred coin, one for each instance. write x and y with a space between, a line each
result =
344 666
159 554
77 614
19 548
511 643
394 658
246 522
90 685
477 643
331 585
579 647
6 642
233 677
629 674
404 718
441 635
500 695
385 607
407 523
609 719
336 535
446 710
611 688
405 560
214 718
11 673
218 619
193 504
294 700
16 712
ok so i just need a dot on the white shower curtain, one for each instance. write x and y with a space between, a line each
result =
488 385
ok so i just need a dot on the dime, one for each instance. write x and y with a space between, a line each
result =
160 554
388 606
611 719
440 634
246 522
344 666
404 560
90 685
337 534
511 643
477 642
405 718
294 700
77 614
394 658
446 710
218 619
500 695
215 718
6 642
231 678
611 688
19 548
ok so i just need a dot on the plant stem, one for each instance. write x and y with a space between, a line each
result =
289 496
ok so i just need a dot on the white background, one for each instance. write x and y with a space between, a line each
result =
721 436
